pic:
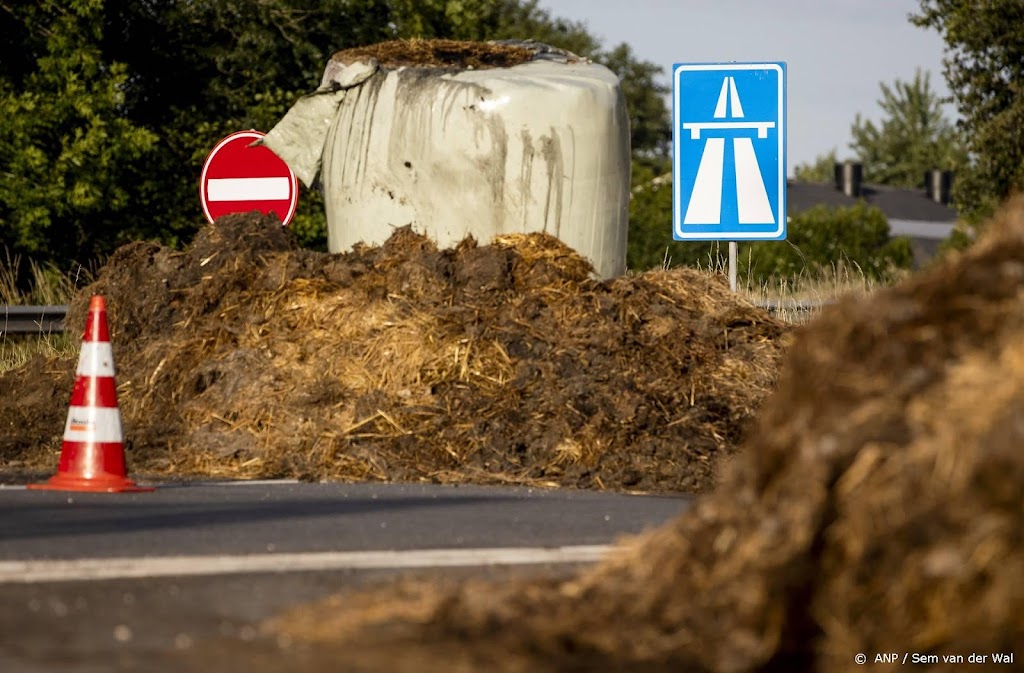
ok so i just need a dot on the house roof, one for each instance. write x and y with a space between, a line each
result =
895 202
909 211
907 204
801 196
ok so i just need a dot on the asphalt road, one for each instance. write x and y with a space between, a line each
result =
98 582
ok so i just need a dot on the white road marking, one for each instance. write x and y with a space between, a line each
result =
79 570
248 189
12 487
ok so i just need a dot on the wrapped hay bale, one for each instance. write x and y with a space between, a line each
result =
465 138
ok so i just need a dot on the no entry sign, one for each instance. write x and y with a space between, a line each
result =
239 179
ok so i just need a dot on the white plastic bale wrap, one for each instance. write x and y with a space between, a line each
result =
540 146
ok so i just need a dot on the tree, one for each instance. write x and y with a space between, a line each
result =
651 244
821 237
68 157
817 239
984 68
822 170
155 83
650 127
912 138
200 69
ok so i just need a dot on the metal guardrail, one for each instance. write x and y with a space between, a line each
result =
50 319
32 319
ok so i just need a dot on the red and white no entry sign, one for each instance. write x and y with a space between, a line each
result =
239 179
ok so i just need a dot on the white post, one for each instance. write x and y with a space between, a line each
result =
733 252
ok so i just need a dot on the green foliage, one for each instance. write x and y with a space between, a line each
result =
67 155
649 123
110 107
822 170
651 244
913 136
650 217
822 237
960 239
202 69
817 239
984 68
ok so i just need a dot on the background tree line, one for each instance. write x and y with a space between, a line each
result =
108 108
984 69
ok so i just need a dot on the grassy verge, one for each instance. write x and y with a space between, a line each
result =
46 285
813 288
819 287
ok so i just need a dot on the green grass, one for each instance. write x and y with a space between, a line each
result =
819 285
45 285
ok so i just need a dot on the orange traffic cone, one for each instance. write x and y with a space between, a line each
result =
92 456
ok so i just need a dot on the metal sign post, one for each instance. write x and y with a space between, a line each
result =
733 251
729 153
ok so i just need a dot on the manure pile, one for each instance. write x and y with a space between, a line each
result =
442 53
504 363
876 507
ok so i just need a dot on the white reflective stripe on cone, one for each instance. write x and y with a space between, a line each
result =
96 359
93 424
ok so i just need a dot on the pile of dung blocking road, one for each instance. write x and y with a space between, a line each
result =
876 508
503 363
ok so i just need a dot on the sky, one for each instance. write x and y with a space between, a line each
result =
837 52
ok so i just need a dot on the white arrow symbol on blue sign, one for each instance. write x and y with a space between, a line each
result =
752 203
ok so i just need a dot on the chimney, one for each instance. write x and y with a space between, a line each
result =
849 176
938 185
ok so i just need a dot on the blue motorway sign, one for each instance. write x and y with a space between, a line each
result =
729 151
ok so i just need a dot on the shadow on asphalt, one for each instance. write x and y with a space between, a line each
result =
90 517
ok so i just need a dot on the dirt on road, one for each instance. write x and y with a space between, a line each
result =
245 356
875 508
